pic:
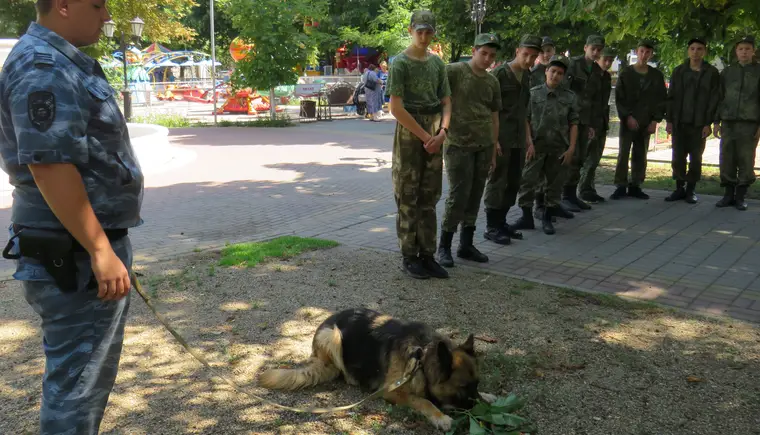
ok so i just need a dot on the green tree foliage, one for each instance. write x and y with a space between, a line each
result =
276 28
199 20
15 16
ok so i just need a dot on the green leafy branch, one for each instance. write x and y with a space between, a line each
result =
497 418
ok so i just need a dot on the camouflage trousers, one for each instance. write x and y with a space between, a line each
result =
738 146
417 178
467 171
687 142
573 172
82 341
504 182
633 145
545 167
593 158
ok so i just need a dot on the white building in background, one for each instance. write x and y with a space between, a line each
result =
5 49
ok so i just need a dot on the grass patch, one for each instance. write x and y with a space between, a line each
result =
279 121
164 119
609 301
660 177
251 254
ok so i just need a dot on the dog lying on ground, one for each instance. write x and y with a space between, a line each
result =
372 350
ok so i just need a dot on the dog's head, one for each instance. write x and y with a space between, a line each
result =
452 374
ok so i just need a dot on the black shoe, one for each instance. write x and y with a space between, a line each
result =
525 222
432 267
677 194
741 191
619 193
636 192
444 249
512 233
691 196
546 222
591 197
467 250
728 198
495 223
570 206
413 267
560 212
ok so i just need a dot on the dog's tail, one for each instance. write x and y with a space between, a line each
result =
325 364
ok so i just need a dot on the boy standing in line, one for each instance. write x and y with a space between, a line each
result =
504 180
420 101
552 125
641 97
471 147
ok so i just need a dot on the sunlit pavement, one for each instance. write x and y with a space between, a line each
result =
332 180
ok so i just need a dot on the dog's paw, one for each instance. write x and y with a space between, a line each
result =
488 398
442 422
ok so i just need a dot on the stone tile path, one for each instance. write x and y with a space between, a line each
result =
332 180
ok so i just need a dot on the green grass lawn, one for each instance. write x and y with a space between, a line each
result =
660 177
251 254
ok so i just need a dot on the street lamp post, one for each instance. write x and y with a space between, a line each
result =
478 13
137 27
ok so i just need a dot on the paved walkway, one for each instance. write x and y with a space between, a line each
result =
332 180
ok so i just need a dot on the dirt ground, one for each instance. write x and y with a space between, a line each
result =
586 364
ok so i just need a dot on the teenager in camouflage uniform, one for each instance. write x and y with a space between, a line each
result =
504 181
693 97
538 71
471 146
738 124
641 98
587 185
552 123
420 101
584 78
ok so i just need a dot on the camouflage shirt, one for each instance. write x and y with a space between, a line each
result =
584 78
537 75
604 101
422 84
56 106
642 96
740 91
551 112
693 95
473 98
515 95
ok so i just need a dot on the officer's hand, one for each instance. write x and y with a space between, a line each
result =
530 153
567 157
716 130
706 132
632 123
111 274
591 133
652 127
669 128
498 149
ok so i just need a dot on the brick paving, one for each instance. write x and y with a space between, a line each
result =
332 180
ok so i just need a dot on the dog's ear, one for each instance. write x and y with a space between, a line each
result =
445 359
469 345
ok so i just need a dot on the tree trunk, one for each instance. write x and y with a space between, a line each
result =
272 105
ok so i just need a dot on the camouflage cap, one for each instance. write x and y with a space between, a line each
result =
699 39
608 52
487 39
595 40
646 43
560 60
531 41
749 39
547 40
423 19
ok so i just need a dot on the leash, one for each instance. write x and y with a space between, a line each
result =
411 369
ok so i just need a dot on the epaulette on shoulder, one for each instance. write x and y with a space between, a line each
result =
43 56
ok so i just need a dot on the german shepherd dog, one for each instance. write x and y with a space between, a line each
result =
372 350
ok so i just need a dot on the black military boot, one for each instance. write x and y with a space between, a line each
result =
560 211
538 209
567 202
741 191
591 196
512 233
572 196
619 193
525 222
691 196
467 250
496 227
412 266
444 249
728 197
546 222
636 192
432 267
677 194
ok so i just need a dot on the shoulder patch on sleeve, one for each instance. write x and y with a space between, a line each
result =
41 109
43 56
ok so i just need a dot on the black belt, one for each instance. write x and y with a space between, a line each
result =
434 110
112 234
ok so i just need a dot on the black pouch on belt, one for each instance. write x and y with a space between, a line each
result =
54 250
